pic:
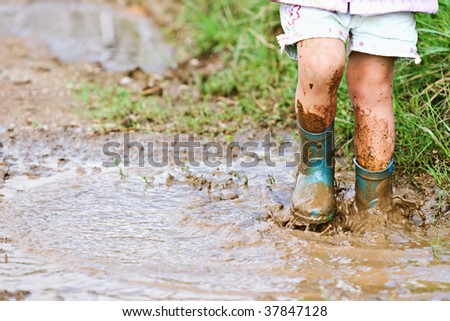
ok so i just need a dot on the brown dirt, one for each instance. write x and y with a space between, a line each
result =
336 81
318 196
318 118
35 89
374 145
311 122
18 295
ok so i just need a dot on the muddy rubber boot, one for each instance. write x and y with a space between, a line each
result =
373 188
313 201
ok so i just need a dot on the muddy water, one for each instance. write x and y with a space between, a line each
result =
87 232
117 39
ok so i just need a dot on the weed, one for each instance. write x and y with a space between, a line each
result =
270 179
146 181
436 247
121 174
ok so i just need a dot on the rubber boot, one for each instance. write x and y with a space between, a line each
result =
313 201
373 188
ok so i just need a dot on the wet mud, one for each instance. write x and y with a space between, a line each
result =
303 204
317 117
374 146
336 81
313 122
71 229
16 296
82 231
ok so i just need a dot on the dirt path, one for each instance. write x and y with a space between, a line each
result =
37 89
39 122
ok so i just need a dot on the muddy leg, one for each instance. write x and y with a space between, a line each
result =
370 80
320 68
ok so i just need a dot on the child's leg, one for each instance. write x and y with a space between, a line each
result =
370 80
321 65
374 42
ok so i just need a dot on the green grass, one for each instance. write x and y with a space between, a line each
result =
256 86
422 102
263 82
118 108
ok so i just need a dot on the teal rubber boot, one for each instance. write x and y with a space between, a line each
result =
373 188
313 201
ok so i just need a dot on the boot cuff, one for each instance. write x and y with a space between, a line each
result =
373 175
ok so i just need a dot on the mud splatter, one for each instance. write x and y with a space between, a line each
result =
335 81
312 122
318 115
374 144
305 202
392 216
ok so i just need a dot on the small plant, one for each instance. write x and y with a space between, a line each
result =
246 181
235 174
121 174
146 181
436 249
270 179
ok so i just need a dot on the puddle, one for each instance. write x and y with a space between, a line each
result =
119 40
198 233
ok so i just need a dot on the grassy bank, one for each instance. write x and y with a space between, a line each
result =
254 85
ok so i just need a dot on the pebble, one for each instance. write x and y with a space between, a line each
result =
230 196
125 81
21 81
194 62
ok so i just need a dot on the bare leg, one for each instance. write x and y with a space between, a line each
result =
370 80
321 66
